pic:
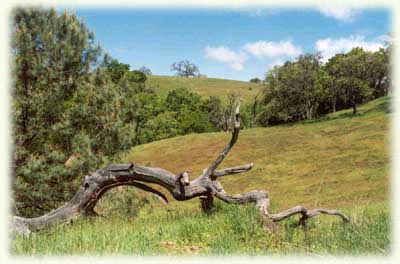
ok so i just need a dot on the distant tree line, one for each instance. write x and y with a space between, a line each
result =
305 88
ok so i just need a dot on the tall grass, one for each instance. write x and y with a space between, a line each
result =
229 229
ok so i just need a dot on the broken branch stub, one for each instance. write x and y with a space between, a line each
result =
206 186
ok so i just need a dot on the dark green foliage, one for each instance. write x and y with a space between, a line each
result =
352 75
255 80
70 116
220 114
52 55
115 69
213 106
379 70
145 70
305 89
164 125
187 108
292 91
180 113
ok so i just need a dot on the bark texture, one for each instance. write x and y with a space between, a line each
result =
205 187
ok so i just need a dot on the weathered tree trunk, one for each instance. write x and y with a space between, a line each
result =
354 108
334 104
205 187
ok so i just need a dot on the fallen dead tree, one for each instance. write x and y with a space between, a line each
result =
205 187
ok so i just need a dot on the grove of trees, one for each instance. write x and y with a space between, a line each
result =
305 88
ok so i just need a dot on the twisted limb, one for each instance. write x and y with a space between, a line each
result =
205 187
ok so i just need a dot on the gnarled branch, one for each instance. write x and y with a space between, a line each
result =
205 187
233 170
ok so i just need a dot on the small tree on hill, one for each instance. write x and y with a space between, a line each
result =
255 80
185 68
145 70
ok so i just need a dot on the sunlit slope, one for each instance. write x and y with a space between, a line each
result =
204 86
341 161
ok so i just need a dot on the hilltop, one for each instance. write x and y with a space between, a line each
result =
204 86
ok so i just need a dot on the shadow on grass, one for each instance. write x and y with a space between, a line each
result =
384 106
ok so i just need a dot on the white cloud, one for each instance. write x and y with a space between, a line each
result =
234 59
261 49
330 47
277 62
344 14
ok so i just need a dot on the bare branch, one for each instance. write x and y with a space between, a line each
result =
306 214
225 151
261 199
233 170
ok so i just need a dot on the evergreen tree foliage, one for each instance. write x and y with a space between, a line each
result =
70 115
52 55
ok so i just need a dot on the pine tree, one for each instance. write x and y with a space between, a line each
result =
52 55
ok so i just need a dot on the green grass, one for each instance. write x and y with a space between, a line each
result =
229 229
341 162
204 86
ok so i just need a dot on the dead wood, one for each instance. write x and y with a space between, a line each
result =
205 187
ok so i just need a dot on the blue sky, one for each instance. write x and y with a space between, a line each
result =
232 43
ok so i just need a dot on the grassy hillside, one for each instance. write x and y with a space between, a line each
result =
204 86
339 162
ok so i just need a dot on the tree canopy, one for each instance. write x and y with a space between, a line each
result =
185 68
305 88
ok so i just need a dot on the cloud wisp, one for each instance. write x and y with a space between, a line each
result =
330 47
270 49
222 54
276 51
344 14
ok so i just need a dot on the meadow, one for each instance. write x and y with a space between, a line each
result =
205 87
340 162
